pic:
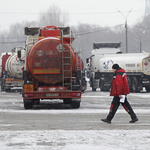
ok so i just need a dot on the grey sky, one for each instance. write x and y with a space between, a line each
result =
101 12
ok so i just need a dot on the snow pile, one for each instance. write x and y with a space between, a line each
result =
75 140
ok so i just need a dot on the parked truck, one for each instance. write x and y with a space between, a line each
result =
52 67
3 58
99 50
136 65
12 71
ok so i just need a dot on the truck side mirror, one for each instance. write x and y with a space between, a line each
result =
19 54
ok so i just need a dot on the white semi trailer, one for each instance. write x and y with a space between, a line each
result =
99 51
136 65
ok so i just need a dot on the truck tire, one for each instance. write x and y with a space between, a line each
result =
28 105
67 100
36 101
135 85
3 85
8 90
4 89
93 89
147 88
91 84
75 104
130 84
102 87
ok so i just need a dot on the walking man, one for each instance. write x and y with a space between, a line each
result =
119 89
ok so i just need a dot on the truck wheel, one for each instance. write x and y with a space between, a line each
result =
91 84
36 101
75 104
102 87
67 100
135 85
16 91
130 85
93 89
3 85
147 88
28 105
8 90
2 89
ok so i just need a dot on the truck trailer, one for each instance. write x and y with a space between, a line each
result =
136 66
12 71
52 67
3 59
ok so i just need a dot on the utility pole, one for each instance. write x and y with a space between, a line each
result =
126 26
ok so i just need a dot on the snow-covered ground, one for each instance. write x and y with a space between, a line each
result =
77 111
93 103
75 140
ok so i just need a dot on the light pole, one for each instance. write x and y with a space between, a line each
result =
126 26
141 41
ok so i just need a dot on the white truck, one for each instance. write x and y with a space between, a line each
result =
99 50
13 72
136 65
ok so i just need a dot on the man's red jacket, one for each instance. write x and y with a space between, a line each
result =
119 85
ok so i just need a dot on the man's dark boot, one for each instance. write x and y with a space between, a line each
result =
133 120
106 120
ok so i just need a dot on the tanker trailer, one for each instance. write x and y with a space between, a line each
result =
3 59
99 50
51 68
12 77
136 66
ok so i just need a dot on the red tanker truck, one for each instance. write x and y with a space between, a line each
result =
52 68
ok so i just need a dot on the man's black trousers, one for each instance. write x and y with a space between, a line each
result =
114 106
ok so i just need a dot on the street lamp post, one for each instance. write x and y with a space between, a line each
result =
143 32
126 26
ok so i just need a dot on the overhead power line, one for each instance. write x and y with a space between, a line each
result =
76 34
13 38
96 30
12 42
74 13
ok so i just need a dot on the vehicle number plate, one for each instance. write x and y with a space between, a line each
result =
145 82
52 94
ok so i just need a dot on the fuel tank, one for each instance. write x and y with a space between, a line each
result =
13 65
49 61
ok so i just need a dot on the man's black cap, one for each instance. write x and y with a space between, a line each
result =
115 66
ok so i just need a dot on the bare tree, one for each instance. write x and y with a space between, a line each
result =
53 16
14 36
87 34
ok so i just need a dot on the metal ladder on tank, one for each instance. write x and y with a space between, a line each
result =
66 66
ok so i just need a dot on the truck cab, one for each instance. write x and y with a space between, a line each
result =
99 50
